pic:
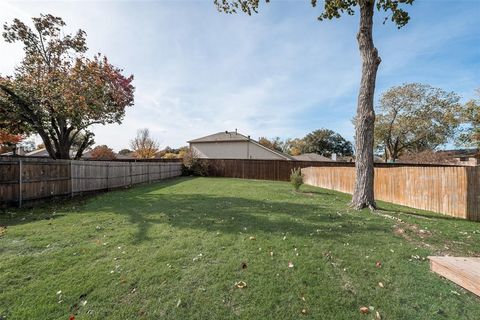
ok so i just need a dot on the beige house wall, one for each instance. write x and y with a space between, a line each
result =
233 150
466 161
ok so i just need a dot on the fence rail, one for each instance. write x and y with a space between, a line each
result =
24 179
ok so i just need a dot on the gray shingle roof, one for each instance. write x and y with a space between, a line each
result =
221 136
311 157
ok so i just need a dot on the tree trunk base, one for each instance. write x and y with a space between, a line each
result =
363 204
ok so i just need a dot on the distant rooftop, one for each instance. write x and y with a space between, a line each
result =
222 137
311 157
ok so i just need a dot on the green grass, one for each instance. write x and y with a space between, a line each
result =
174 250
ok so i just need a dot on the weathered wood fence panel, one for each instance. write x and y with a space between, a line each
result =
104 175
27 179
451 190
473 186
262 169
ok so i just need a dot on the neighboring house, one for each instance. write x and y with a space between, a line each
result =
311 157
128 156
233 145
43 153
464 157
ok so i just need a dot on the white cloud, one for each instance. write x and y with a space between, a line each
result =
279 73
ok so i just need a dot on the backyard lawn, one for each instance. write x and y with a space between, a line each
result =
216 248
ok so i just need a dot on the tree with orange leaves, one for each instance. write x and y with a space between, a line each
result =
8 140
57 92
102 152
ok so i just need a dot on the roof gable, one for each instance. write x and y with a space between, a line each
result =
232 136
224 136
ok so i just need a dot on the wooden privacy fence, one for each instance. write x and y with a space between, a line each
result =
24 179
451 190
278 170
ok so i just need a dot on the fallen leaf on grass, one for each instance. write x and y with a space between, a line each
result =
364 310
240 284
72 317
380 284
377 316
179 302
304 311
290 264
378 264
252 238
3 231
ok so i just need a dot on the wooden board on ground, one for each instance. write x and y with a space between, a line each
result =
463 271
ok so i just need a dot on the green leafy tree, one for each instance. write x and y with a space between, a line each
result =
295 146
124 152
470 135
56 91
274 144
326 142
414 118
363 195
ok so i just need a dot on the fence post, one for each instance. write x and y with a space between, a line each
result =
131 178
20 182
148 172
71 178
107 175
124 177
243 169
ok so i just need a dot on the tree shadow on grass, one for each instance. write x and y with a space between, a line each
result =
416 213
56 208
233 214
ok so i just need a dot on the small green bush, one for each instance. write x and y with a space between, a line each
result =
296 178
192 165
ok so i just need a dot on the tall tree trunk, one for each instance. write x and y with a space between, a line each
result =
363 194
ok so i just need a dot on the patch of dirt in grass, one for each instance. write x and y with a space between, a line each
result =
345 280
414 234
409 231
3 231
405 230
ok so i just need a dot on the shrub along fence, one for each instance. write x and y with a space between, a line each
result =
28 179
446 189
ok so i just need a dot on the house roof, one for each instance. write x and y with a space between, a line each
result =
232 136
461 152
311 157
128 156
224 136
42 152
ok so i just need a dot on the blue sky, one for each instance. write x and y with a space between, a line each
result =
277 73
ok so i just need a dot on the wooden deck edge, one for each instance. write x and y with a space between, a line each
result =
455 275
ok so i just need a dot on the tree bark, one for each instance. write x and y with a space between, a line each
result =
363 195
